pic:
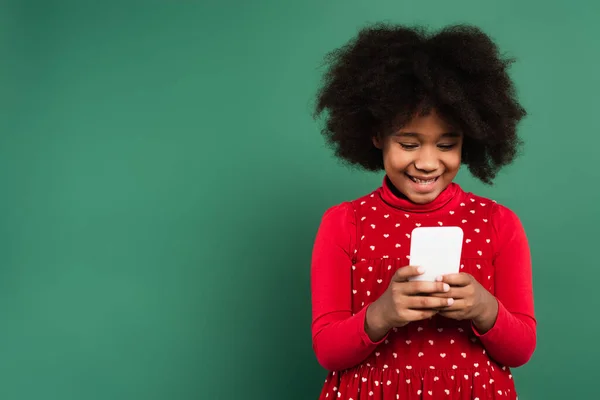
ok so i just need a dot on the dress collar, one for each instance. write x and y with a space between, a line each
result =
394 198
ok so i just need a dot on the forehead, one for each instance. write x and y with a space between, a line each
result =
430 122
429 125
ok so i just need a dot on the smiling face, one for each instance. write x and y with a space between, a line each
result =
422 158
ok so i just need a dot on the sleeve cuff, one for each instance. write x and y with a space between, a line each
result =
497 327
360 316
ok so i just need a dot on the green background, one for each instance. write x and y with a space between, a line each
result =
162 182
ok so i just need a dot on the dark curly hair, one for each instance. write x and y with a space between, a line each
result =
379 80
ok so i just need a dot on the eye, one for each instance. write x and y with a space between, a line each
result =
447 146
409 146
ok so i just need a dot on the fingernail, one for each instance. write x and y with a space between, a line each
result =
446 287
420 270
439 278
450 302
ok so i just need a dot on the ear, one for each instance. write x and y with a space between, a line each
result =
377 142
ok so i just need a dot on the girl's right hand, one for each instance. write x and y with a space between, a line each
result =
404 301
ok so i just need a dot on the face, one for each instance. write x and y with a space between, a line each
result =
422 158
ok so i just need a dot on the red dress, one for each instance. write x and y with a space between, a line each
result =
359 246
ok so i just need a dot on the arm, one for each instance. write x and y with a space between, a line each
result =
511 340
339 338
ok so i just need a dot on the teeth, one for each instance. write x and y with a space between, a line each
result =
422 182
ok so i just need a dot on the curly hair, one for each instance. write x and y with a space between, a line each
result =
385 75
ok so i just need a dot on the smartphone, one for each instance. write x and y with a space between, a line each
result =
437 249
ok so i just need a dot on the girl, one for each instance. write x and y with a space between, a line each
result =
417 106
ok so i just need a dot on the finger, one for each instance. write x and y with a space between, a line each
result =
427 302
418 315
456 306
456 292
460 279
419 287
402 274
458 315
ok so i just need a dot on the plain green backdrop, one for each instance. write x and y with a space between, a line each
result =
162 182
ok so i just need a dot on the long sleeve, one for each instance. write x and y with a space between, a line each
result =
339 338
512 339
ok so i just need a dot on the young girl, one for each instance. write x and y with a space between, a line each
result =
417 106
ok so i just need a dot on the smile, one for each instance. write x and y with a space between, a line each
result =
423 182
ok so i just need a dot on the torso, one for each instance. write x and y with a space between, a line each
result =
435 358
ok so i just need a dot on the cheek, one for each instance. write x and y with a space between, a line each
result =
453 160
396 159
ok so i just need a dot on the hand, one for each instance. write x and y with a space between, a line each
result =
471 301
405 301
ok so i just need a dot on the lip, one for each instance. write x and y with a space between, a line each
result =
423 178
421 188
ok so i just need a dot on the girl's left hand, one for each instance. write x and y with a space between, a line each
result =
471 301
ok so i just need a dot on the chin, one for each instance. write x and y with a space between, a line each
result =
422 198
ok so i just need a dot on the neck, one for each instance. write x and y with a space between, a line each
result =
393 197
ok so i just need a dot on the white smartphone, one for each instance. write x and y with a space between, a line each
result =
437 249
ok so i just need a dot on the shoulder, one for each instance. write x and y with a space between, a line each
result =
346 209
342 216
507 228
499 213
504 218
338 214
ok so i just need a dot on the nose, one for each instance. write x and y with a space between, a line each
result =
427 160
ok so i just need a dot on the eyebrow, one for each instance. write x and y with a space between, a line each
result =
416 134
